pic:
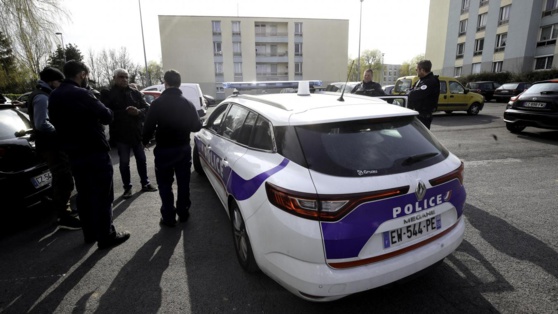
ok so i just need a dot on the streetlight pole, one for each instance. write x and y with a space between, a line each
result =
63 48
143 40
359 30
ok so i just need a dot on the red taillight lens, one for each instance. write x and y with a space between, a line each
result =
456 174
324 207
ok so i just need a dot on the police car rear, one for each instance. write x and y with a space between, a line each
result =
331 198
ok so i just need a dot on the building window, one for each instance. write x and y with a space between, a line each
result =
504 15
543 63
457 71
497 66
217 48
260 29
481 22
465 5
550 7
237 48
476 68
483 3
216 25
298 29
238 68
236 28
479 44
298 68
501 42
462 27
460 50
218 68
298 49
548 35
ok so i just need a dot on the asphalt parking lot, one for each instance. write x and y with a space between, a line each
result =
507 262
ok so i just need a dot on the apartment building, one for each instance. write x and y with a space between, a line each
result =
210 50
473 36
390 74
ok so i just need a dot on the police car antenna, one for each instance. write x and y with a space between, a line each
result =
348 75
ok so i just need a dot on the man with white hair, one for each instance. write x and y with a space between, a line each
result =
129 109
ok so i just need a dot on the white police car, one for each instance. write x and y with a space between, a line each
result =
331 197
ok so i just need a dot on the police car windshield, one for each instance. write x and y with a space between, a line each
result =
369 147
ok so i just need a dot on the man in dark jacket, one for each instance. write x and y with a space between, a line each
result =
78 118
129 109
173 117
48 146
367 86
424 96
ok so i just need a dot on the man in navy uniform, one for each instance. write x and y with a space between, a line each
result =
173 117
79 118
424 96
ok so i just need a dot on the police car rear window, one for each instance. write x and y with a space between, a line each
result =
369 147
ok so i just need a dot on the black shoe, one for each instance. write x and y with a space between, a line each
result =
117 239
127 193
184 218
69 223
167 223
149 188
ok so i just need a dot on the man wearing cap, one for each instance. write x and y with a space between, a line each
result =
48 147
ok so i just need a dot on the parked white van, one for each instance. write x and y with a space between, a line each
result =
190 91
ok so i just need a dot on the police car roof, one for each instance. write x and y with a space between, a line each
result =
293 109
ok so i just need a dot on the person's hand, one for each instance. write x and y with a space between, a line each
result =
131 110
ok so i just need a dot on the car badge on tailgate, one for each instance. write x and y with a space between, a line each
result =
421 190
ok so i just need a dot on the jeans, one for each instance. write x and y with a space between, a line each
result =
170 162
141 163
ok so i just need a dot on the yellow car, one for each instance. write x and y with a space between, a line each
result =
453 96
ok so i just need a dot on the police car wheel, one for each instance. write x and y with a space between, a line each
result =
242 243
196 161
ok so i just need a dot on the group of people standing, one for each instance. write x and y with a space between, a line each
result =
68 121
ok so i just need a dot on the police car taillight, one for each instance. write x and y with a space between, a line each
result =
323 208
456 174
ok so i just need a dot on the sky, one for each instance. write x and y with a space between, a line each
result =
396 27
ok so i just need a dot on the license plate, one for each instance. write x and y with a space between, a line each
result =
408 233
504 92
42 180
534 104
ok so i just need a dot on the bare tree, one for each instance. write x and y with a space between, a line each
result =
32 25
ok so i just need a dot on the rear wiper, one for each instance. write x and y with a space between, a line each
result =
416 158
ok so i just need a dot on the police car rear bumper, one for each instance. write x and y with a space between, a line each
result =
319 282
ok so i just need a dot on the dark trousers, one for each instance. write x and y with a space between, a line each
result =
62 181
94 185
170 162
124 164
426 118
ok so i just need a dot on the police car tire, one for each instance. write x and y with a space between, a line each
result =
196 161
242 245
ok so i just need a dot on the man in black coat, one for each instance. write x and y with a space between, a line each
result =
367 86
129 109
78 118
424 96
172 118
